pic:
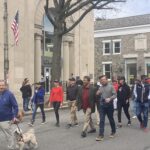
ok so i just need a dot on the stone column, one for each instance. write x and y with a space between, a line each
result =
65 60
37 58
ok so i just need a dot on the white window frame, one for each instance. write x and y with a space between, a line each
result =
104 72
114 41
104 42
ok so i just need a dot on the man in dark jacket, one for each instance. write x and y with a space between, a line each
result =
123 96
26 94
72 91
142 93
38 101
8 112
86 101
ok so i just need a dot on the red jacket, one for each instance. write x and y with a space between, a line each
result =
56 94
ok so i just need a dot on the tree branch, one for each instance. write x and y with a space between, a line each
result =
80 6
48 15
56 3
84 14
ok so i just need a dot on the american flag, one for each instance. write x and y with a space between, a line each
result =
15 27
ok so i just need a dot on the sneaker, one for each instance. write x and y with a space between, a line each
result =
112 135
10 147
146 130
92 131
43 122
76 124
100 138
57 125
119 125
69 126
129 123
134 117
30 124
83 134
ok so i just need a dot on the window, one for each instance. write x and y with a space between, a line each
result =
107 67
106 48
116 47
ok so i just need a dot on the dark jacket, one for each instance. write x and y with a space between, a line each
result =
138 92
92 98
38 97
72 92
123 93
26 91
8 106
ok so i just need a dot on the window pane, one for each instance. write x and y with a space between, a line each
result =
107 67
107 48
108 75
117 47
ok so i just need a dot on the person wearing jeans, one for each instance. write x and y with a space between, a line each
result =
26 94
38 102
141 92
8 114
56 99
107 94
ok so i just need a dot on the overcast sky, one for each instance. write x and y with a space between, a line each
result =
130 8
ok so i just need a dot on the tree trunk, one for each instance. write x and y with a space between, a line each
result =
56 59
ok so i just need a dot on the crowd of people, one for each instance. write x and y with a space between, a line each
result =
81 95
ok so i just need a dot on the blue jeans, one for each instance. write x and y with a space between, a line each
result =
142 108
26 103
106 110
35 110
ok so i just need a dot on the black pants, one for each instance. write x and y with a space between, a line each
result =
126 111
106 110
56 106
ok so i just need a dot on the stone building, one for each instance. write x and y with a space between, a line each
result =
122 47
25 59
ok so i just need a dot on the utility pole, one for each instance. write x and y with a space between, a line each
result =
6 59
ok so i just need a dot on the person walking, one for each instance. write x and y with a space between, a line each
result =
56 99
26 94
123 95
8 113
38 102
72 91
142 93
107 94
86 101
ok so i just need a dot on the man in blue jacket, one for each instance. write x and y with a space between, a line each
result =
8 112
38 101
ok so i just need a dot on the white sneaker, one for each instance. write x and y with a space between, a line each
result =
134 117
43 122
30 124
10 147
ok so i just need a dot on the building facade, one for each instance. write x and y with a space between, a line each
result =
122 47
30 58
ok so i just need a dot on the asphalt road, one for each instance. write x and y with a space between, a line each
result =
50 137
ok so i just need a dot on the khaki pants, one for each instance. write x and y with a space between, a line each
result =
73 109
88 120
7 129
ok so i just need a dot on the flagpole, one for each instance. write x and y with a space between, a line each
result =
6 55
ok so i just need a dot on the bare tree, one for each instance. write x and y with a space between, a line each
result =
58 16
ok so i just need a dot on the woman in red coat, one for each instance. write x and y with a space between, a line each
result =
56 99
